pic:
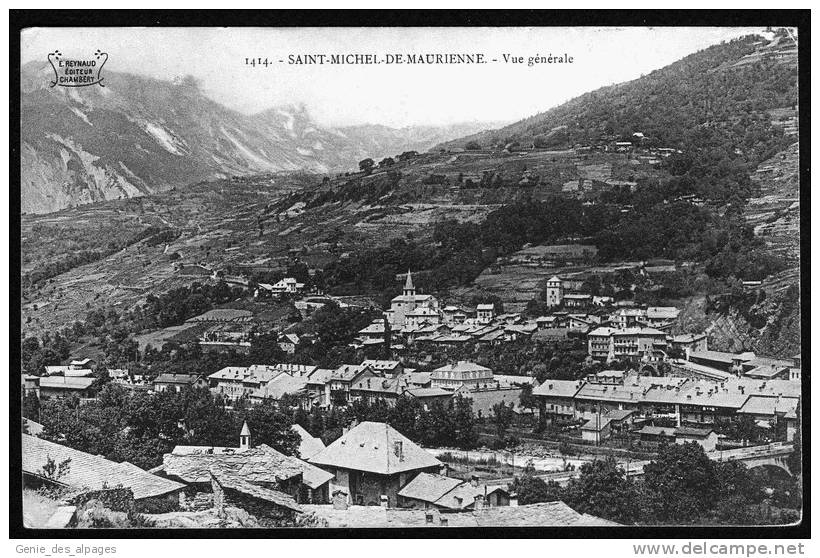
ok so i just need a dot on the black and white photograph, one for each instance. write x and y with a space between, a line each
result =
399 278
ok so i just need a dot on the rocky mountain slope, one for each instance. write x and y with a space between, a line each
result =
139 135
775 211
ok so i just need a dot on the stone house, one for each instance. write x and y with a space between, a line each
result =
372 462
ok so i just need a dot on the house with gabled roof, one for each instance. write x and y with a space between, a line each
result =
85 471
434 491
386 367
63 386
261 465
372 462
372 387
178 382
557 398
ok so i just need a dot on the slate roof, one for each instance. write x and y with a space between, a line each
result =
63 382
639 331
420 378
716 356
558 388
371 446
184 379
269 495
259 464
282 385
81 362
320 376
88 471
377 384
687 432
429 487
657 431
78 372
662 312
765 361
462 370
687 337
546 514
308 446
594 424
347 371
381 364
769 405
429 392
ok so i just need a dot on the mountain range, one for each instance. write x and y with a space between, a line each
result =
139 135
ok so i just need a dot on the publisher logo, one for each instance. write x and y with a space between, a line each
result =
73 72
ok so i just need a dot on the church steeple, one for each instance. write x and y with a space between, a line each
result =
409 289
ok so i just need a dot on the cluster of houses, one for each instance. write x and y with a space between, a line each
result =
615 401
369 382
419 320
372 476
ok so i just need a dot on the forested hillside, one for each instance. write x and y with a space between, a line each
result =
727 108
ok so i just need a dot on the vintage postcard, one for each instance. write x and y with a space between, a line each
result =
409 277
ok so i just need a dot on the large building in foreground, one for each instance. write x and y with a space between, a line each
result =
371 463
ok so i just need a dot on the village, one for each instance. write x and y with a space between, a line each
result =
665 389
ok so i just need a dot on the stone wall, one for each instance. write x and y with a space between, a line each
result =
116 499
267 513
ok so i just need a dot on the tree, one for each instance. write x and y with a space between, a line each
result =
463 423
472 145
366 165
502 417
685 479
603 490
386 162
55 471
532 490
31 407
269 426
527 400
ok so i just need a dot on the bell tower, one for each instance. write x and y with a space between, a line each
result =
245 437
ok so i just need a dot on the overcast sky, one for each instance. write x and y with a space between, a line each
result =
385 94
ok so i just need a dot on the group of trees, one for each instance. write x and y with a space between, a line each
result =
682 231
680 486
122 424
113 328
450 424
125 425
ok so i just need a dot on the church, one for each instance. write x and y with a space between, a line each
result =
405 308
